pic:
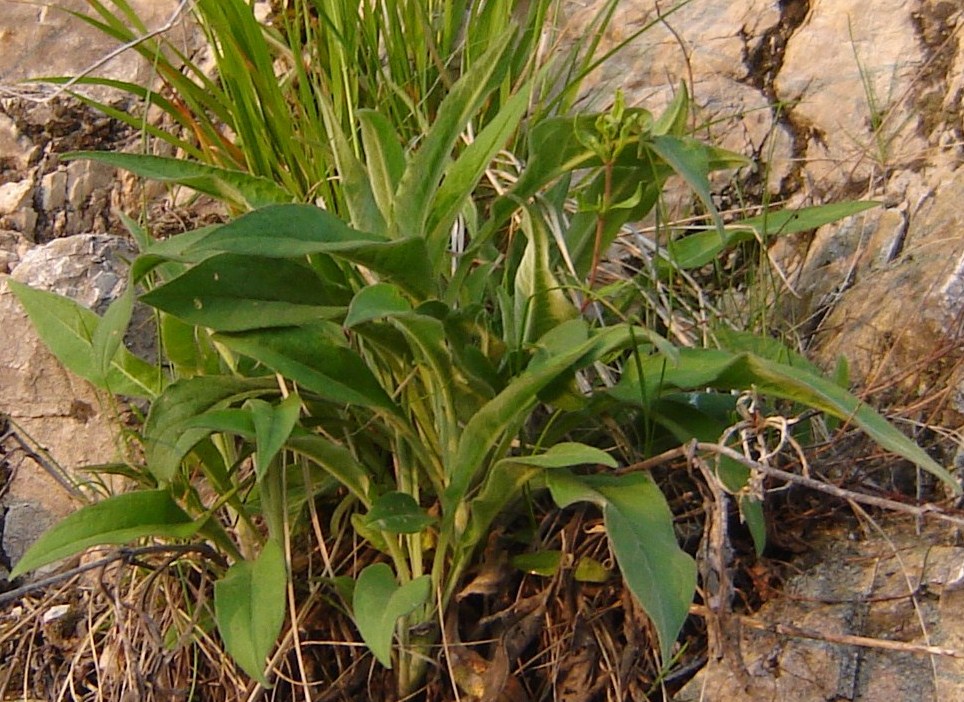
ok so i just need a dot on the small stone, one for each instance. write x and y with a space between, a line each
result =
83 178
15 196
85 268
25 521
56 612
13 145
23 221
53 190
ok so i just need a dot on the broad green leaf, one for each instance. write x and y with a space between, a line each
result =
544 563
511 406
540 303
139 233
285 231
501 414
463 176
225 421
803 219
337 461
638 186
237 187
752 514
109 334
700 368
639 524
555 148
501 486
379 603
841 372
186 347
560 339
273 426
168 432
249 606
375 537
309 356
397 513
355 183
690 160
168 258
701 248
385 159
426 337
564 455
233 292
67 328
673 119
374 302
116 520
697 250
765 347
589 570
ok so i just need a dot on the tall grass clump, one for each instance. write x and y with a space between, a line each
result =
283 95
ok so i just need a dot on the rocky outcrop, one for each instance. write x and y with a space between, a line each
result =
833 100
52 422
840 100
42 195
879 618
46 40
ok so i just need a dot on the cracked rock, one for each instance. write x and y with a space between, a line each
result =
59 416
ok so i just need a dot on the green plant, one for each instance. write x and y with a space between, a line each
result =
332 358
286 97
421 386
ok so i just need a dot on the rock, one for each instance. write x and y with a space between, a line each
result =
83 178
23 521
53 190
885 290
16 199
834 100
46 40
15 149
57 416
14 196
861 98
87 268
897 587
16 207
13 245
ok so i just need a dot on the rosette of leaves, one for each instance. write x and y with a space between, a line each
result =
419 383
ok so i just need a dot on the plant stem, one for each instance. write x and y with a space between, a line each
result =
600 225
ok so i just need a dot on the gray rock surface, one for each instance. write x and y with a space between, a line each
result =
58 423
44 40
41 195
890 587
87 268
